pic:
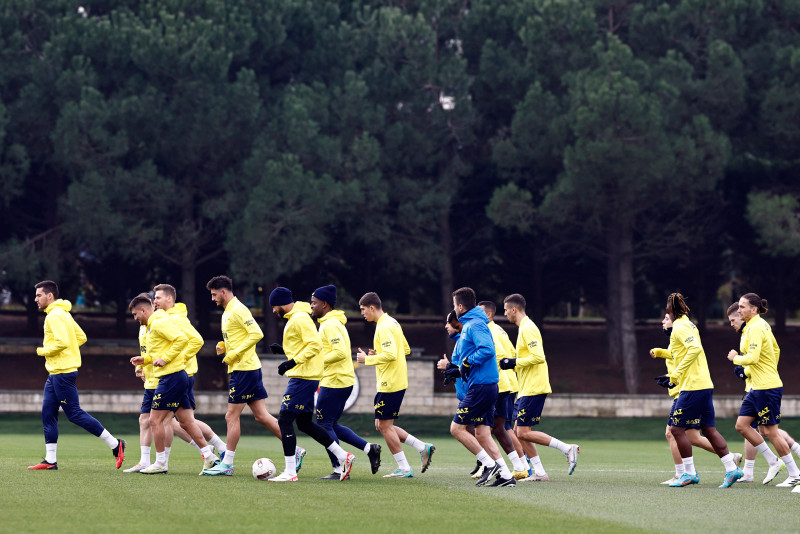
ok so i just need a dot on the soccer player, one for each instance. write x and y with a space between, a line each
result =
737 323
692 430
760 353
240 333
338 378
695 402
389 358
303 348
62 358
165 345
534 381
479 368
504 409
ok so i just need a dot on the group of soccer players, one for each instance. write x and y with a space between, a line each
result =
497 384
689 382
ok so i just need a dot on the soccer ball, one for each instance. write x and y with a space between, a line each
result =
264 468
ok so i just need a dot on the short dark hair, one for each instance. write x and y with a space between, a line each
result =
516 300
452 318
733 308
142 299
167 289
220 282
465 296
489 305
371 299
48 286
757 302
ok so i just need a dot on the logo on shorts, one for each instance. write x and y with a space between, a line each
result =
286 399
378 407
250 396
231 392
521 413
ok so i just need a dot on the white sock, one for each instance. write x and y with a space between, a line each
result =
50 452
291 468
749 466
688 465
166 454
504 472
538 468
560 445
402 463
516 461
207 452
366 447
791 467
728 462
228 457
338 469
414 442
765 451
195 445
161 458
796 448
484 458
110 440
215 441
679 469
145 457
338 451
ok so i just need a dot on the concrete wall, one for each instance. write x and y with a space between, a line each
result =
419 399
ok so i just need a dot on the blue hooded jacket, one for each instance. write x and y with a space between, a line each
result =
476 347
455 359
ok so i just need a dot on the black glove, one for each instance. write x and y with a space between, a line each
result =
451 373
285 366
739 371
664 382
508 363
464 370
276 349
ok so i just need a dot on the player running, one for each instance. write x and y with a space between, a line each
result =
534 381
760 353
389 358
62 358
303 348
338 378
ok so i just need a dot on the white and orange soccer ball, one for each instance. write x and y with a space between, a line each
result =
263 469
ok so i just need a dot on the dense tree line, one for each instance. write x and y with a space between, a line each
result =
601 151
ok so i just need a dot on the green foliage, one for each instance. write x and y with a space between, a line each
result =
776 220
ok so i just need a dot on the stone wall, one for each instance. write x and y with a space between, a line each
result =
419 400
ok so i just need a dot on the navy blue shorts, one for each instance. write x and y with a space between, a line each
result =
477 408
764 405
387 405
330 404
191 393
172 392
694 408
504 407
672 412
147 400
299 395
246 387
529 410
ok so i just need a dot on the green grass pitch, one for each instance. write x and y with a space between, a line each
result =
615 488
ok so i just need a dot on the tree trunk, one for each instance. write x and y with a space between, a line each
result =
621 311
446 273
188 294
613 305
780 300
271 333
537 309
32 313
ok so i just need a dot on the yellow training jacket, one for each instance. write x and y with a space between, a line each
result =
179 315
532 372
391 348
240 333
760 352
62 337
667 356
166 341
301 343
150 381
336 352
691 368
504 349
